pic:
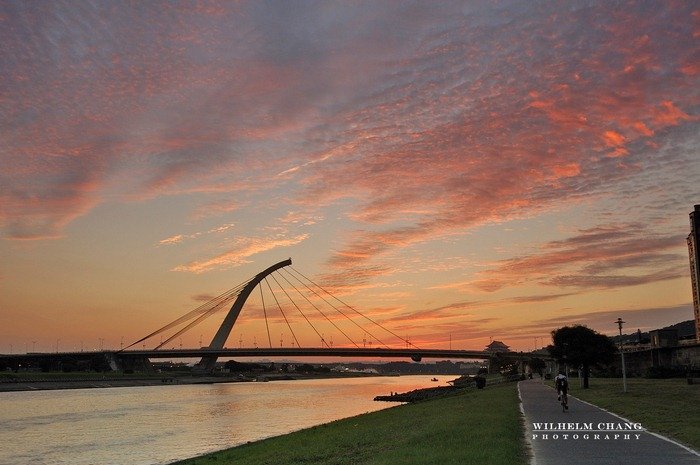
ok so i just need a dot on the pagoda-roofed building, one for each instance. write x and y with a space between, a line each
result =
496 347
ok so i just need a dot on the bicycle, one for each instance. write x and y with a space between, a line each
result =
564 401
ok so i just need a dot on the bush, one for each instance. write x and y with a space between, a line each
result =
673 371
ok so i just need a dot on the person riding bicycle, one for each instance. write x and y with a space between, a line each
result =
561 383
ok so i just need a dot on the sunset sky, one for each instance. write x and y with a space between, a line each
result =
471 170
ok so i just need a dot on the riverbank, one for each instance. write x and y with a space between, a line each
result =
54 381
473 427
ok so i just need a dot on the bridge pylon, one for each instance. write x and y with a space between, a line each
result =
207 363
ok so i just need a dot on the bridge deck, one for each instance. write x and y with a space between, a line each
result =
284 352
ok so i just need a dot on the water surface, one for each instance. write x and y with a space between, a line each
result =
160 424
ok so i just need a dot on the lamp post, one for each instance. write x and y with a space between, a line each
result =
622 354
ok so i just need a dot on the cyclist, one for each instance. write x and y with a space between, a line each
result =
562 385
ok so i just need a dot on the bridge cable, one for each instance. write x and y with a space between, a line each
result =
282 312
204 308
356 311
194 323
364 330
323 341
262 298
319 311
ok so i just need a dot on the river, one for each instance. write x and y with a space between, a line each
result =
160 424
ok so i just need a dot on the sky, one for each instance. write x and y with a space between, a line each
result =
459 172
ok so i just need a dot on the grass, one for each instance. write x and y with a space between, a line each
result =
477 427
667 406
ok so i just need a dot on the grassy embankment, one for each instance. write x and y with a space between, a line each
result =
667 406
476 427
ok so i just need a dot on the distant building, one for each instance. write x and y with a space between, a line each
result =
664 337
694 255
497 346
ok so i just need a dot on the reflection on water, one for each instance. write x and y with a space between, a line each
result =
157 425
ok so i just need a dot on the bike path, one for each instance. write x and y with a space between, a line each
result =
588 435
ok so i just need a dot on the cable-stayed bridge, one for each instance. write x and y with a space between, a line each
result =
329 312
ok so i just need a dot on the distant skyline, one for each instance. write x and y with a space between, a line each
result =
463 170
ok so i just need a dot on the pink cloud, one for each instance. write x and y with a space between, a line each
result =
582 260
426 127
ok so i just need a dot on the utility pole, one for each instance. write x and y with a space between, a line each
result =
622 354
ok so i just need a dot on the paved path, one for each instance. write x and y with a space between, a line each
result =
583 436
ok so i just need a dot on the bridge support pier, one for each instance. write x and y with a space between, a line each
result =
142 364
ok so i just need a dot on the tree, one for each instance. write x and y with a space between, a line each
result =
537 365
581 346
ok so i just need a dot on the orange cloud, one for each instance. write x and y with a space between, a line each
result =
613 139
670 115
567 171
239 255
172 240
642 129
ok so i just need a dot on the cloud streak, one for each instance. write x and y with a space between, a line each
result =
581 261
244 248
179 238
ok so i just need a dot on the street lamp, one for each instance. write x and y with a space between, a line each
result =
622 354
